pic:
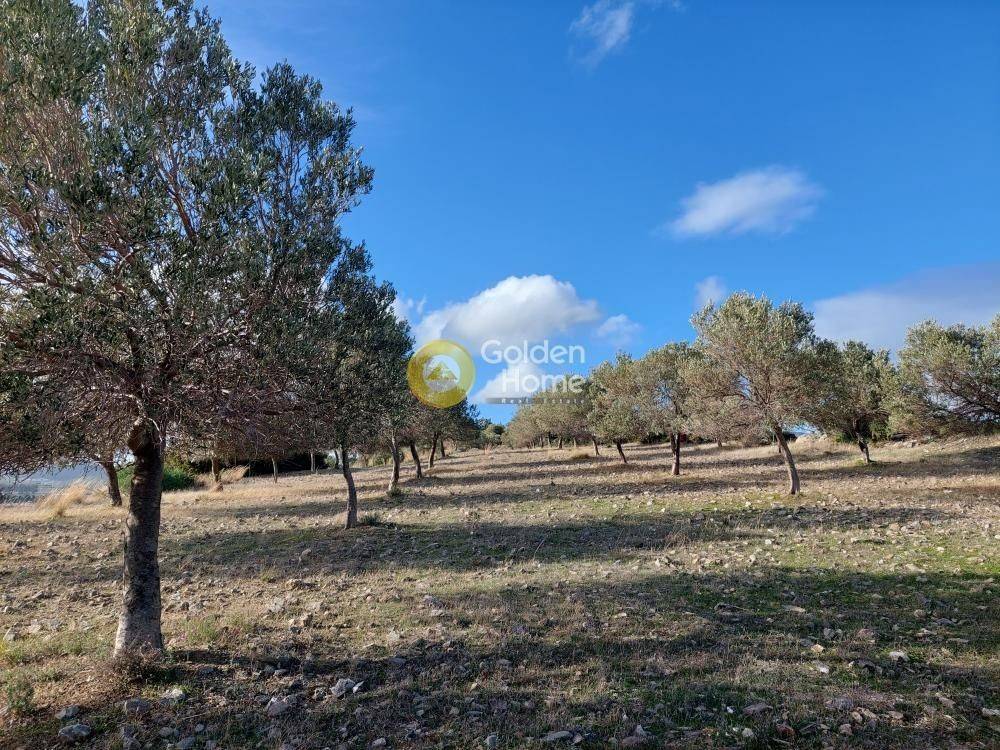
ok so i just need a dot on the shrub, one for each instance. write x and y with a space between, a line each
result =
20 694
59 501
175 477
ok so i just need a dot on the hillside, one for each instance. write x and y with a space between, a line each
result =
537 599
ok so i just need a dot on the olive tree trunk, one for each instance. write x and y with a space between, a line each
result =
352 492
597 451
675 448
394 479
793 473
863 445
416 459
442 447
139 623
312 461
216 473
434 445
274 469
618 445
114 489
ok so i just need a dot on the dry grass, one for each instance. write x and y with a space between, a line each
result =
57 503
518 593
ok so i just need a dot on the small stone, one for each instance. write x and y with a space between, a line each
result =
785 731
397 661
10 635
67 713
174 696
342 687
898 656
380 742
277 706
845 729
185 744
137 706
945 700
756 709
557 736
991 713
748 733
74 733
167 732
840 703
493 741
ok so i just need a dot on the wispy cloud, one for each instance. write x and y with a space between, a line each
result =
601 28
881 315
708 291
618 330
772 200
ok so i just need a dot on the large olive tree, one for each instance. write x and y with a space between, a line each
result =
950 378
760 358
854 393
167 230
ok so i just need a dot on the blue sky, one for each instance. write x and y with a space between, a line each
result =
586 172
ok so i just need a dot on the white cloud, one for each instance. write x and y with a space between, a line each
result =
618 329
407 308
514 381
603 27
710 290
881 315
519 308
770 200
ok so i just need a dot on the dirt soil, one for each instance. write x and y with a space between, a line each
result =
532 599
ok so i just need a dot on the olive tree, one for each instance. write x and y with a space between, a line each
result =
853 397
665 395
167 232
949 378
618 411
760 357
362 381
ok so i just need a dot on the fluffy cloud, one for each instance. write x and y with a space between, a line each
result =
618 330
514 381
708 291
880 316
771 200
602 28
407 308
519 308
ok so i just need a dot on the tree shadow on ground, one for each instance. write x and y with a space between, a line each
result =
695 659
476 545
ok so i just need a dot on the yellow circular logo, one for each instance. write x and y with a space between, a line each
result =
440 373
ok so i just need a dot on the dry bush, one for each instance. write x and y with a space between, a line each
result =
56 503
580 454
234 474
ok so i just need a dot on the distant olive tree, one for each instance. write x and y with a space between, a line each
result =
167 232
949 378
761 358
854 395
666 394
618 414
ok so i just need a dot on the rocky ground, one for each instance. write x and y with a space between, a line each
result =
532 599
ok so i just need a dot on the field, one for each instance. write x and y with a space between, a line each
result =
534 599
